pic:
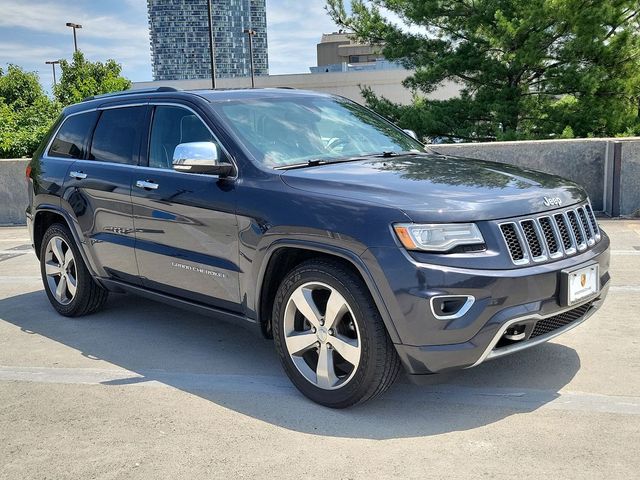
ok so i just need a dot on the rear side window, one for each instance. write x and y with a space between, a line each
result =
72 137
117 136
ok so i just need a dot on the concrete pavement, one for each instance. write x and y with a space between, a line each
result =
142 390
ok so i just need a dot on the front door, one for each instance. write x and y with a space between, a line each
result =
186 229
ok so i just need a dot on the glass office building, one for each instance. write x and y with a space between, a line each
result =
179 34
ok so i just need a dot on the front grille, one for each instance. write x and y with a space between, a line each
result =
551 236
547 325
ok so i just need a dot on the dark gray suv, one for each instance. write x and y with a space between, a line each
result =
329 229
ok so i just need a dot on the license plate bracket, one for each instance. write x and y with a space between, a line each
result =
580 283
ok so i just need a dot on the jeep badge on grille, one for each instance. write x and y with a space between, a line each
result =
552 201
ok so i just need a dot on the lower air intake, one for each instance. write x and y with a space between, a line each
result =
547 325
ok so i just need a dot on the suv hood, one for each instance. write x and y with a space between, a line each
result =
436 188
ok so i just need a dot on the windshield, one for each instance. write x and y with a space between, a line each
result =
289 131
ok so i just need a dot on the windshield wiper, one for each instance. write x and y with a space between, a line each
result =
324 161
318 161
389 154
308 163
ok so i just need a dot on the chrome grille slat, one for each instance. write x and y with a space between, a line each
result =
578 233
551 236
513 238
568 241
594 223
582 213
532 238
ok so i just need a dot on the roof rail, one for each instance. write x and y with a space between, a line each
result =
132 92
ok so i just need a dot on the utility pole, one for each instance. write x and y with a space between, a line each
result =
250 32
53 64
75 40
211 46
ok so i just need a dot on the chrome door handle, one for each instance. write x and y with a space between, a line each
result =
146 185
78 175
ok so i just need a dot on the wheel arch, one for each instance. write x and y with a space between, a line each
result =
47 215
282 256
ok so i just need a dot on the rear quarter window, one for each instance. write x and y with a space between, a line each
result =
72 137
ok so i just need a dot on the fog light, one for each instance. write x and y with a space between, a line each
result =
448 307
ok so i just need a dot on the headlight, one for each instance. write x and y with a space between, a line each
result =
437 237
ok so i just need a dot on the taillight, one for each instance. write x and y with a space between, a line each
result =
28 172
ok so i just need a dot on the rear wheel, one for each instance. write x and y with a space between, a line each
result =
329 335
69 285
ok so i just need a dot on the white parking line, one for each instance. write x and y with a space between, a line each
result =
624 288
13 279
513 398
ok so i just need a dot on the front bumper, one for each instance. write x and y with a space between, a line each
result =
527 297
421 360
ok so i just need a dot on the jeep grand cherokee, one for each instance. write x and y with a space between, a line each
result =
352 245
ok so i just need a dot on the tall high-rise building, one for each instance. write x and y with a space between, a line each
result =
179 34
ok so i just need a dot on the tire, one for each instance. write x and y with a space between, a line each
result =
337 308
88 296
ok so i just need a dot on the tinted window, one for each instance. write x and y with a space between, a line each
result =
117 135
71 139
170 127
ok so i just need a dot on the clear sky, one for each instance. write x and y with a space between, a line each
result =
33 31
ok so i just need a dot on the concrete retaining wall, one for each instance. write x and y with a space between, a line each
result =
589 162
13 191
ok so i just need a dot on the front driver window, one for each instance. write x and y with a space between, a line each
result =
170 127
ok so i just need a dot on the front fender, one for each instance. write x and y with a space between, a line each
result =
350 256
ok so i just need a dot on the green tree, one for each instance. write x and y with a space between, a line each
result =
26 113
82 78
526 68
18 88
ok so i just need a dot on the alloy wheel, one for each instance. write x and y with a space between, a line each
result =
60 269
322 335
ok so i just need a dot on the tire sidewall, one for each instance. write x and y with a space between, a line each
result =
361 308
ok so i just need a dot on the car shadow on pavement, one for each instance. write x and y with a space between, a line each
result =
225 364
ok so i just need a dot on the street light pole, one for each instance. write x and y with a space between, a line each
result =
211 46
75 40
250 32
53 64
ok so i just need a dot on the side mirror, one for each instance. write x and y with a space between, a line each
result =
200 157
411 133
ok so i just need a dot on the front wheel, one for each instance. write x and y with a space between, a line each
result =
329 335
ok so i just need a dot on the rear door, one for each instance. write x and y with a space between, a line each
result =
186 229
98 190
